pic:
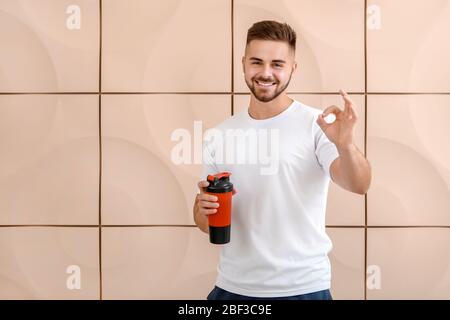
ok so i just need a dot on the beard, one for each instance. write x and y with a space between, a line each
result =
266 95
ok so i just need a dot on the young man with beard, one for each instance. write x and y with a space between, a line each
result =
279 247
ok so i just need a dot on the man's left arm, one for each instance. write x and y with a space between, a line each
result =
351 170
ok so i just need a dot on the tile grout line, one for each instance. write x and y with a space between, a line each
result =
365 146
193 225
100 154
217 93
302 92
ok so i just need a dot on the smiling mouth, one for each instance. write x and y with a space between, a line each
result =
264 84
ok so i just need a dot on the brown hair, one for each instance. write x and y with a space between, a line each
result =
272 30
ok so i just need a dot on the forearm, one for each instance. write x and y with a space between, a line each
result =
355 170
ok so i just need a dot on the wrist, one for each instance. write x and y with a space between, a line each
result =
346 148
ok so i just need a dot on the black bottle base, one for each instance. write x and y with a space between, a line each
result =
219 235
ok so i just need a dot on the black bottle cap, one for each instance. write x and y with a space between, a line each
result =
219 183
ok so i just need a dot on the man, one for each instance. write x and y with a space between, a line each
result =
279 247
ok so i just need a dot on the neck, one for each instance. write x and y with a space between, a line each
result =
264 110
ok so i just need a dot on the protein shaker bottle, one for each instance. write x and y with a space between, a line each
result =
220 222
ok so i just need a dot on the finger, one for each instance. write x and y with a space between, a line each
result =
209 211
208 204
348 103
207 197
321 122
202 185
345 96
352 112
332 109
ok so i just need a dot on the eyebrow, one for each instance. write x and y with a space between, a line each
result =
276 60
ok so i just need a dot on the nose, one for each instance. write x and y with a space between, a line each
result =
267 72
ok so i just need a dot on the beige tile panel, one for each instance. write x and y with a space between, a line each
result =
411 263
49 164
410 154
172 45
41 54
141 184
347 263
35 263
158 263
410 50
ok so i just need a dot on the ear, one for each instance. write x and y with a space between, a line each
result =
243 64
294 67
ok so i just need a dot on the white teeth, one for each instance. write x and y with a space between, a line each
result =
265 84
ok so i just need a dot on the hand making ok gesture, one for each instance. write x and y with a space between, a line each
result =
341 132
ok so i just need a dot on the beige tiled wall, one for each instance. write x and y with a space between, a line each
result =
86 116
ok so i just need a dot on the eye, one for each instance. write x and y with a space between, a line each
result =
278 65
255 62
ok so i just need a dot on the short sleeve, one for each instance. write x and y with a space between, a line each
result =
326 151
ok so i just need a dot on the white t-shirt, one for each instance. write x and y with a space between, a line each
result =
278 244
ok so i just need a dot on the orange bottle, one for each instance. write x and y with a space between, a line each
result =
220 222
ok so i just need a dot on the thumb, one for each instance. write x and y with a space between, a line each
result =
202 185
